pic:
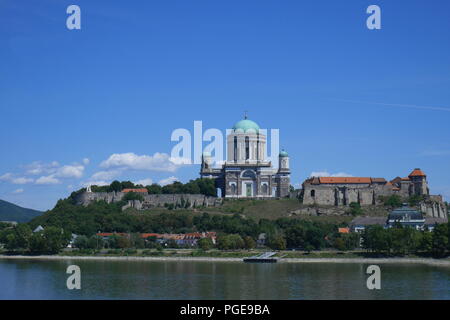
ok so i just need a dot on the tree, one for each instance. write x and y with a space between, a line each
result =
426 242
205 243
55 239
377 239
393 201
38 243
355 209
277 242
81 242
440 239
17 237
249 242
115 186
154 189
414 200
132 196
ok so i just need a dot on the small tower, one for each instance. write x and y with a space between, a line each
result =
283 162
88 189
419 182
206 168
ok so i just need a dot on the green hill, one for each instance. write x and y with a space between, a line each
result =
12 212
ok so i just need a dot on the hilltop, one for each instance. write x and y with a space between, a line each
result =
11 212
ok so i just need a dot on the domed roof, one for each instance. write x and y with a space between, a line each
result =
246 125
283 154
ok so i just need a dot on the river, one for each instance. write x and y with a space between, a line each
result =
40 279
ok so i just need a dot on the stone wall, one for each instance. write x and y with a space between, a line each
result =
365 195
433 208
150 200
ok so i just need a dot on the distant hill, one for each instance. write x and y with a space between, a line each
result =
12 212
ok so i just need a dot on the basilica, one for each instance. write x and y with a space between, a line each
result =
246 173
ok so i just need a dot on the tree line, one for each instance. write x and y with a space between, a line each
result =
198 186
234 231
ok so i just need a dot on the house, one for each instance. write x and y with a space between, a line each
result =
72 241
406 217
261 242
359 224
38 229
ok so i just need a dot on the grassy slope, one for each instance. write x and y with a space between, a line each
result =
272 210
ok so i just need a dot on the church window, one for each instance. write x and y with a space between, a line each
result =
247 148
233 189
264 188
235 149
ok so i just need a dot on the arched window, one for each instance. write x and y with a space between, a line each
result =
313 193
247 148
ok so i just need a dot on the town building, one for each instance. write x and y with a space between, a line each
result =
404 216
341 191
246 172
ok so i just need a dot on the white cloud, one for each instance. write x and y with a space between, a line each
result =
18 191
21 180
70 171
15 180
6 177
167 181
144 182
105 175
86 161
38 167
47 180
95 183
328 174
180 160
157 162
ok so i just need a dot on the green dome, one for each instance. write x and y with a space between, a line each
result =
283 154
246 125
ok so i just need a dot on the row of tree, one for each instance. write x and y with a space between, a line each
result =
197 186
404 240
20 238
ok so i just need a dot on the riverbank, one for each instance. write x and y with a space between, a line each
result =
426 261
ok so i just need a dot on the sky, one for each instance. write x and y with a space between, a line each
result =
97 104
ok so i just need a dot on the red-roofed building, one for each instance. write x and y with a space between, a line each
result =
136 190
341 191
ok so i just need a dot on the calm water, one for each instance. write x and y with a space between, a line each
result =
31 279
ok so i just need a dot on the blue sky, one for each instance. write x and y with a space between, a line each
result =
346 99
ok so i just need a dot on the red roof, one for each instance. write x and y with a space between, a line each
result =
141 190
344 230
417 173
148 235
344 180
109 234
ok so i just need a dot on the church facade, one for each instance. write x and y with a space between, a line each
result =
246 173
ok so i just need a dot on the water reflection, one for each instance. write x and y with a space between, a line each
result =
31 279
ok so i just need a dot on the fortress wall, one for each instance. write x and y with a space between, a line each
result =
150 200
366 196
